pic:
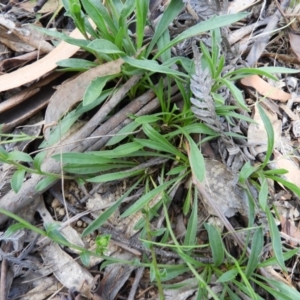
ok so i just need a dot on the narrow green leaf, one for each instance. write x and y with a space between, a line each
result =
270 134
141 18
196 159
114 176
173 9
228 276
263 194
237 94
216 244
105 215
19 156
45 183
39 159
210 24
147 198
23 222
294 188
17 180
94 89
13 228
256 250
276 240
152 66
104 46
76 64
246 171
123 133
161 140
85 258
191 231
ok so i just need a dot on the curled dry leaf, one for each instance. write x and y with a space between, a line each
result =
264 88
72 92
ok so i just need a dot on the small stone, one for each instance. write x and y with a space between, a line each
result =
55 203
61 212
79 223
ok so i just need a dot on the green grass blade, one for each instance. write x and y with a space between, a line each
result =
210 24
255 254
173 9
216 244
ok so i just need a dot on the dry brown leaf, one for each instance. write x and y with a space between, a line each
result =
265 88
283 162
66 270
241 5
72 92
295 43
257 134
40 67
291 230
14 62
49 7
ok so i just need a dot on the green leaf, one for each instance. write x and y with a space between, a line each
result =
13 228
196 159
76 64
114 176
276 240
255 254
246 171
104 46
45 183
99 14
85 258
152 66
17 180
216 244
294 188
270 134
210 24
191 231
123 133
19 156
160 140
141 18
263 194
173 9
39 159
93 169
94 89
105 215
143 201
23 222
237 94
228 276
